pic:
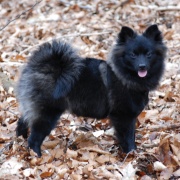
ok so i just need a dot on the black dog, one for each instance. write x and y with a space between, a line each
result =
56 79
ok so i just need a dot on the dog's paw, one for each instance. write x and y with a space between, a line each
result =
22 129
35 146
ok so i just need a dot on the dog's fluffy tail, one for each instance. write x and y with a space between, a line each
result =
60 59
52 70
55 53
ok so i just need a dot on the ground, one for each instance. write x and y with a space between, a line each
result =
83 148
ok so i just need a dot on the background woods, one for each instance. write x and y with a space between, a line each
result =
79 149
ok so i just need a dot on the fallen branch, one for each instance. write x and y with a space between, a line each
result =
149 145
168 8
68 35
156 8
160 127
164 127
18 16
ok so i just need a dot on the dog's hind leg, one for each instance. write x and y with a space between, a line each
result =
22 128
41 127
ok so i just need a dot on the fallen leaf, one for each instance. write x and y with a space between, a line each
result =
166 173
177 173
46 174
159 166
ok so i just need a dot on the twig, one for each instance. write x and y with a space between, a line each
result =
6 146
156 8
168 8
127 156
164 127
151 154
161 127
10 64
117 169
9 111
68 35
149 145
18 16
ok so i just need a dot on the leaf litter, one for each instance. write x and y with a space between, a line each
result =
83 148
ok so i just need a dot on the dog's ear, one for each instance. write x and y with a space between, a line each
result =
125 34
152 32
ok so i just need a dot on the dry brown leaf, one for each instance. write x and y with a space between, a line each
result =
1 60
141 117
46 174
86 140
71 153
146 177
17 58
165 153
102 172
152 115
87 169
177 173
153 136
105 158
159 166
168 34
166 173
61 172
95 149
59 153
51 144
76 176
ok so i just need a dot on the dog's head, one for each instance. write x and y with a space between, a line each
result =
139 57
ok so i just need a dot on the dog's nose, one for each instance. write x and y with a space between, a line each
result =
142 66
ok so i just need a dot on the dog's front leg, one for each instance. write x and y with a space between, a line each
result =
125 131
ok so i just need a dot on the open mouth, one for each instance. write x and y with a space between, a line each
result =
142 73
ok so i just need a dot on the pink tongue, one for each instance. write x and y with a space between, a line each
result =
142 73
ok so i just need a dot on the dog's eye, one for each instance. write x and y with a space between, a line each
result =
133 55
149 54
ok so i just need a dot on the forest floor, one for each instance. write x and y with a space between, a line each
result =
83 148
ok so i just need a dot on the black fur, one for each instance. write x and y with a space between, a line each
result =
56 79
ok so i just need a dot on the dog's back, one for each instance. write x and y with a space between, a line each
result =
89 96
